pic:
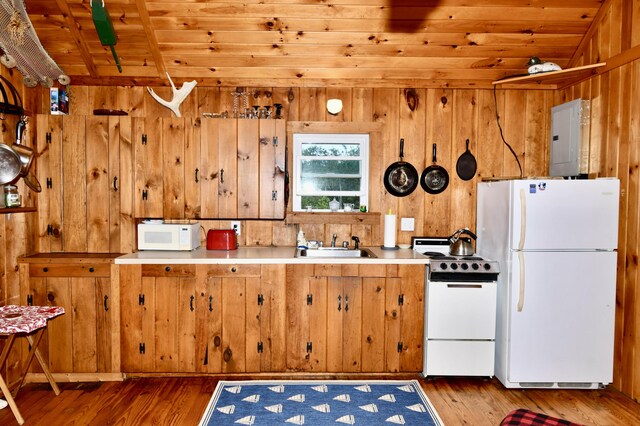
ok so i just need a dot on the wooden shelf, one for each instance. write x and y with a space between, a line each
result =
9 210
550 80
355 218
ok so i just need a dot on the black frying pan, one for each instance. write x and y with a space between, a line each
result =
466 165
434 179
401 178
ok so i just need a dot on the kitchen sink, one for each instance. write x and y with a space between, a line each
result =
334 252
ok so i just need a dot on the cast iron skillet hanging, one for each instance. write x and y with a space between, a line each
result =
434 179
466 165
401 178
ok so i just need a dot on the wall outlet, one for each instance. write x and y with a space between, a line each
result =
235 225
407 224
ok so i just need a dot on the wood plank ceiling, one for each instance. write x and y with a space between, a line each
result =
356 43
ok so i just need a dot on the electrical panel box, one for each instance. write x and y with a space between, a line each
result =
569 146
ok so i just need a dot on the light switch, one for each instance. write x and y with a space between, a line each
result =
407 224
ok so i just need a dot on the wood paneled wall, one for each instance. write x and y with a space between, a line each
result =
444 116
614 152
16 230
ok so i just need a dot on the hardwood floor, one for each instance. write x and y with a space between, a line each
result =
181 401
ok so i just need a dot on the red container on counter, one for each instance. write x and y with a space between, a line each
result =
221 239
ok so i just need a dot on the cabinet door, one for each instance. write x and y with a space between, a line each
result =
272 168
219 168
78 341
344 324
148 160
412 280
373 324
248 169
49 169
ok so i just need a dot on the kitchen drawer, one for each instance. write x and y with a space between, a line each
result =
169 271
234 270
69 270
460 358
461 310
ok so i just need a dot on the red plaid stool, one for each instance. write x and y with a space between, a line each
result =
523 417
30 322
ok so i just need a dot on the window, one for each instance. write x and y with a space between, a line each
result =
328 166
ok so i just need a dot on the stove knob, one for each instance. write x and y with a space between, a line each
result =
475 266
486 266
464 266
454 266
443 266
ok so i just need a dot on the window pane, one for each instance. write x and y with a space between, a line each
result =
322 202
327 167
330 150
314 184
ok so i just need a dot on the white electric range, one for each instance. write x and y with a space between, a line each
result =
460 311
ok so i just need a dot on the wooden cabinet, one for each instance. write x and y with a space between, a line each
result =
355 318
243 168
204 318
84 342
85 166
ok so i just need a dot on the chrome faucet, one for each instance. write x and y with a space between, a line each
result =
333 240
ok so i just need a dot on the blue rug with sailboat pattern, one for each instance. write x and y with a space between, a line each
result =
319 402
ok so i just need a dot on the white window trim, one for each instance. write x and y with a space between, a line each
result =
361 138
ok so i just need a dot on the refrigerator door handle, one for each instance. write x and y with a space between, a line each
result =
521 291
523 219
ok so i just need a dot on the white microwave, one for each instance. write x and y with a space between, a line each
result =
168 236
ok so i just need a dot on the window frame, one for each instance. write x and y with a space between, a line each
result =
363 139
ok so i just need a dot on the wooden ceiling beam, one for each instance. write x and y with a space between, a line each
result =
75 35
151 37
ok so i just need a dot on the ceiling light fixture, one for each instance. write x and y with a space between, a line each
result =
334 106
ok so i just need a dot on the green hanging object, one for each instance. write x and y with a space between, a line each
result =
104 28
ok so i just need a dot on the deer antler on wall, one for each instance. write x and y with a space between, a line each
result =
179 95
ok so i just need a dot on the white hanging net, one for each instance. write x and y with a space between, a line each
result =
23 49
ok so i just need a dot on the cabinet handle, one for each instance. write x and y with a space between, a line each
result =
197 170
167 268
115 184
221 175
210 303
234 269
106 307
346 303
191 302
339 303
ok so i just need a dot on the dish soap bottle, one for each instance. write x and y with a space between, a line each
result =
302 241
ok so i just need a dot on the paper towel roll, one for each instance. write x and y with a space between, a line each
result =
390 230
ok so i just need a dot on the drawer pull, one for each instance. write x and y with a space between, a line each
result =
45 269
167 268
92 269
464 285
234 269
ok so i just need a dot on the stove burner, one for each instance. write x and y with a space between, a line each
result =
433 254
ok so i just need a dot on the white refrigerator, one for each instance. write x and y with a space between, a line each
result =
556 242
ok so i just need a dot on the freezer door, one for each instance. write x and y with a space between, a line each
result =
564 332
564 214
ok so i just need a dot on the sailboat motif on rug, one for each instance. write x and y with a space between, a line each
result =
296 402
